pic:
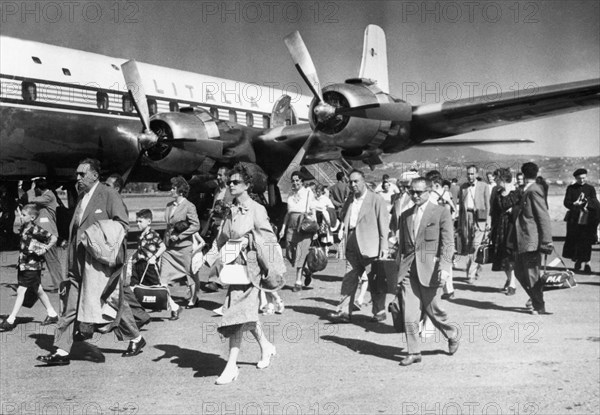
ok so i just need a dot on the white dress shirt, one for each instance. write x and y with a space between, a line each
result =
85 200
355 209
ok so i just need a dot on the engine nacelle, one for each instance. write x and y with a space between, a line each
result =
186 140
359 138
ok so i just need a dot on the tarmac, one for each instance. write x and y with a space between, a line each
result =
508 362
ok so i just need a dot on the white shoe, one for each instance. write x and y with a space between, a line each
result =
264 363
268 309
218 311
279 307
224 379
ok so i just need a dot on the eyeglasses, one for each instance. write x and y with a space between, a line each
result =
234 182
417 192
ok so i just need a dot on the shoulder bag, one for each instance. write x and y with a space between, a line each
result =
155 297
556 280
307 224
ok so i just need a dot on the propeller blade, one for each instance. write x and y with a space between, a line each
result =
298 158
393 111
304 63
133 80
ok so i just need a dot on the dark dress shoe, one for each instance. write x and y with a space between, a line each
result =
587 269
307 278
339 317
6 326
529 304
449 296
175 314
211 287
410 359
511 291
54 359
452 346
134 348
377 318
49 320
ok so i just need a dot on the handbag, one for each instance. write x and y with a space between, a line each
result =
307 224
584 217
384 276
154 297
234 274
556 280
316 259
484 251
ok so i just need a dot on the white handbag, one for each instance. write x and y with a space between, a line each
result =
234 274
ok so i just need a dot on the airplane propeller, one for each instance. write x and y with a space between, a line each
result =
398 112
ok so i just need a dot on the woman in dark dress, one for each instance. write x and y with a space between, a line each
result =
582 221
504 197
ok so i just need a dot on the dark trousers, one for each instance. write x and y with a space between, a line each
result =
418 300
527 272
54 267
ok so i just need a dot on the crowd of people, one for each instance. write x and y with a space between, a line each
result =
421 225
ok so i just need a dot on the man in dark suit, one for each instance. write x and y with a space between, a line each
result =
533 236
90 280
473 218
339 192
425 249
365 227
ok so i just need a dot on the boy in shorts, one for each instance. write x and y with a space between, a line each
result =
34 243
149 248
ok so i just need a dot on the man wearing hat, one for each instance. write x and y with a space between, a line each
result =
582 221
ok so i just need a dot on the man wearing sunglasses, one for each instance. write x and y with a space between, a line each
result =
425 249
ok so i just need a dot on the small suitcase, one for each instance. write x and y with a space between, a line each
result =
384 276
559 279
153 297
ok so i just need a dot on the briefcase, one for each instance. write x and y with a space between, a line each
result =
559 279
154 297
384 275
397 312
484 251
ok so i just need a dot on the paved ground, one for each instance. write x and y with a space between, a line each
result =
509 362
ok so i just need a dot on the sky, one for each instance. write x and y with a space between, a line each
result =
436 50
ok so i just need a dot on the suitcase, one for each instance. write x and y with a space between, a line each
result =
384 276
152 297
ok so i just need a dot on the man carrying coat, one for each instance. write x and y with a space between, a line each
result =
365 226
90 280
425 249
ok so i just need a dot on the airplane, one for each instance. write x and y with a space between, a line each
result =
59 105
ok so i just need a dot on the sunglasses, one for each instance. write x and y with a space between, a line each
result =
234 182
417 192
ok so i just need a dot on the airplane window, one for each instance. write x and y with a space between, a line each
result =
66 71
173 106
232 116
249 119
266 121
36 59
214 112
152 106
28 91
127 104
102 100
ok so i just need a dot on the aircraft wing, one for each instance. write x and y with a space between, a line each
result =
479 113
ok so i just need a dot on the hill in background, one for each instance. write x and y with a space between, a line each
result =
452 162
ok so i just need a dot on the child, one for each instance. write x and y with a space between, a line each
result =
34 243
149 248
